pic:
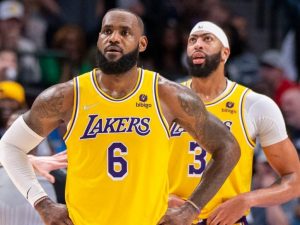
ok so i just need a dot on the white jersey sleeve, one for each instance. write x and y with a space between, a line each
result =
264 119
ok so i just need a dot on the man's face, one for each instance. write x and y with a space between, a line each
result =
204 54
119 42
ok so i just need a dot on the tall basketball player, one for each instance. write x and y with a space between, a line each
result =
248 116
118 120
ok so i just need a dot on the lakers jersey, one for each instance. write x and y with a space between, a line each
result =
118 152
188 160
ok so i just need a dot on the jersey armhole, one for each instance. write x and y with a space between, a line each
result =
75 109
158 106
250 141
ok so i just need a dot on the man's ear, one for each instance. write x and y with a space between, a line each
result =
143 44
225 54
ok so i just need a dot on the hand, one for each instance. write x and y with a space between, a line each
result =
174 201
229 212
183 215
43 165
53 213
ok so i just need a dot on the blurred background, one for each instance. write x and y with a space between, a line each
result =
44 42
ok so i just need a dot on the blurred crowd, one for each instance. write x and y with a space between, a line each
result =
44 42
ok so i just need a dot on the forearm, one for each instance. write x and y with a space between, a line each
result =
20 171
282 191
14 146
216 172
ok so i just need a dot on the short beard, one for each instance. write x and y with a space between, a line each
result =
122 65
205 69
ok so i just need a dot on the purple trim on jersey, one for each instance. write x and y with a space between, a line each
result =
76 108
242 118
233 87
121 99
157 104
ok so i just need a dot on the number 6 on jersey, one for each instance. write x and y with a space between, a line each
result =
117 165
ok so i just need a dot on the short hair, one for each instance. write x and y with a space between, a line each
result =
139 19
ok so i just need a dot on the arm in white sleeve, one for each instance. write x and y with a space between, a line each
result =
18 140
264 119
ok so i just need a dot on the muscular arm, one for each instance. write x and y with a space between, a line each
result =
279 150
284 160
49 109
181 105
266 123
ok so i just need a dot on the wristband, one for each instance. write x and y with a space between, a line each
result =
194 205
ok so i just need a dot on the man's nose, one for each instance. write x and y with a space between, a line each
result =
114 37
199 43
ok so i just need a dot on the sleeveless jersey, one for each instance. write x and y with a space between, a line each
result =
188 160
118 154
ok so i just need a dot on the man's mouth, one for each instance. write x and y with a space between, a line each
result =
113 48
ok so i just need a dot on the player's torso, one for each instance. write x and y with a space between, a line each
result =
188 160
118 151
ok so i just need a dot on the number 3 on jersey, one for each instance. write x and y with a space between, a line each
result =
197 167
117 165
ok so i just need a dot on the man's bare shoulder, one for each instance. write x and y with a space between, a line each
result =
178 100
55 100
52 107
167 87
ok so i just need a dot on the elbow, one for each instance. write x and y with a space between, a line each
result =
291 184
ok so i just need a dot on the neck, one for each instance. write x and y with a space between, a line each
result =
120 85
211 87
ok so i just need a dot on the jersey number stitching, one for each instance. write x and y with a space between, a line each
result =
196 169
117 165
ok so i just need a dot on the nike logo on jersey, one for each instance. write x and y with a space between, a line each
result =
87 107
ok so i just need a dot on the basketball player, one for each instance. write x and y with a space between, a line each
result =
118 120
248 115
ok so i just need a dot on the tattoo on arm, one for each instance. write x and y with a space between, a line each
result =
47 107
194 109
205 127
214 138
50 106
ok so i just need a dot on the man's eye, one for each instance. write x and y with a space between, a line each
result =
107 31
124 33
208 38
192 40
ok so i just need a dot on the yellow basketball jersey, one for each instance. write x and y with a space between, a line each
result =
118 153
188 160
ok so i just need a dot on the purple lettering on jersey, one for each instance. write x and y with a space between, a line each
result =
98 125
176 130
133 123
109 126
122 125
144 128
88 133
